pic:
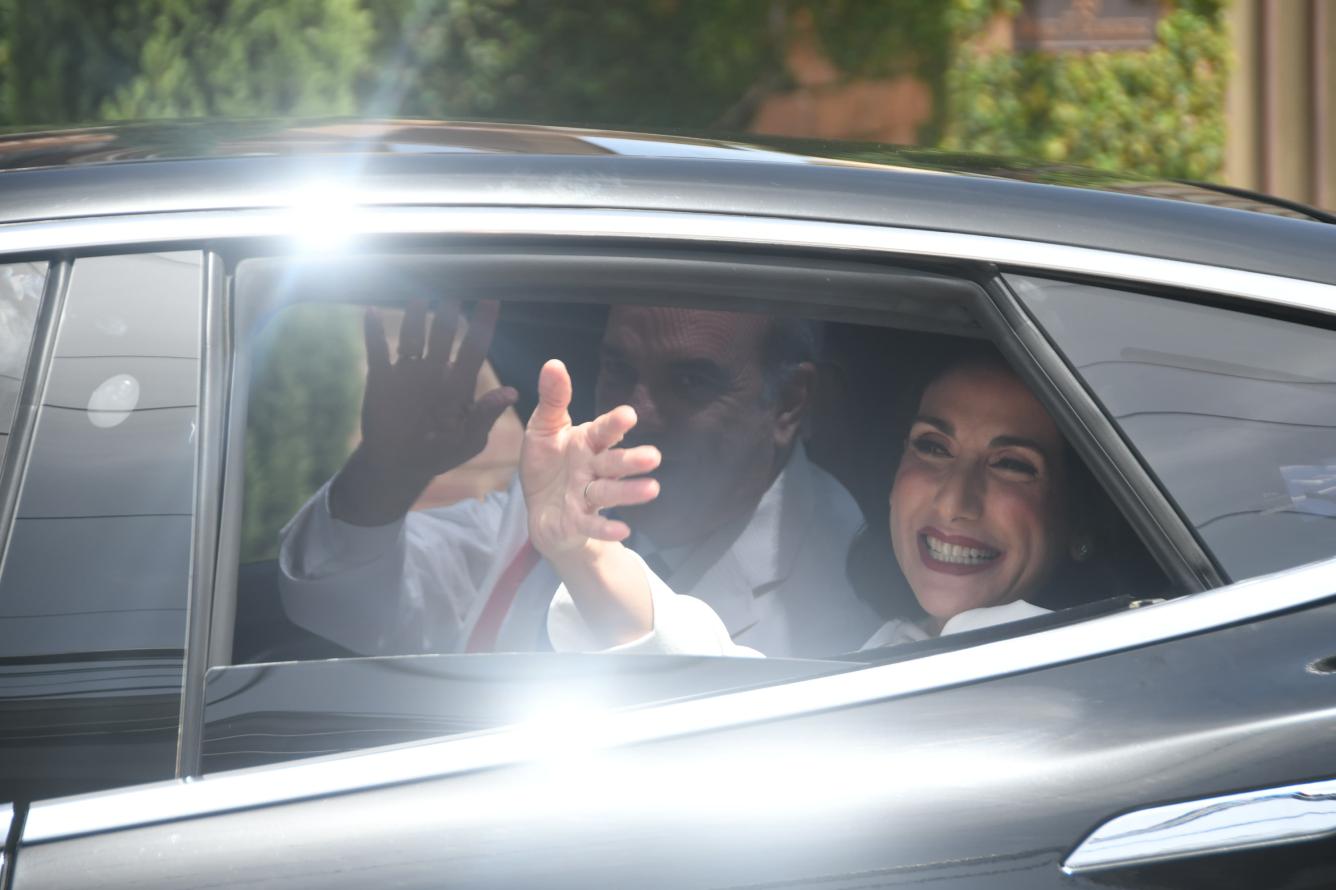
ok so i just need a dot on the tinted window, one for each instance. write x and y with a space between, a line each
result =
96 575
1235 413
781 394
20 295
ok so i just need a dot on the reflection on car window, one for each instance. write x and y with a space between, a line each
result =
1234 413
384 514
20 294
95 580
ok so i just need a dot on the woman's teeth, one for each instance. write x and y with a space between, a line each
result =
954 553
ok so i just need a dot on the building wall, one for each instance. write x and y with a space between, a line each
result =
1281 113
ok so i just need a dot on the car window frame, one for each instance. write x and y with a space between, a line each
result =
215 230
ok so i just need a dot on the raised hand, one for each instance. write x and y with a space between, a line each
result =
419 414
569 473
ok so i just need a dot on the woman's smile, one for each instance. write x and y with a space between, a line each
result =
955 554
977 507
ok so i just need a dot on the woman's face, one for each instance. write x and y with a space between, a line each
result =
977 507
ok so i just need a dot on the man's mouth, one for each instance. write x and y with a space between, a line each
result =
955 554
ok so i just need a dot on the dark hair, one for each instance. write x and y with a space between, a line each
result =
788 343
876 576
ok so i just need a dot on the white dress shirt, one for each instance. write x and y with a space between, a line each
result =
685 625
775 581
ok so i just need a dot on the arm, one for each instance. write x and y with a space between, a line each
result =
357 568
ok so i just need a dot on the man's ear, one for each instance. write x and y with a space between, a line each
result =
794 403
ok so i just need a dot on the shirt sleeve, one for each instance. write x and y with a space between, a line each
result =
683 625
399 588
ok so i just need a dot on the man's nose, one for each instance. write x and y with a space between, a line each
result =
961 493
648 419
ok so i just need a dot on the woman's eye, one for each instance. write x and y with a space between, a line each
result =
1017 465
930 447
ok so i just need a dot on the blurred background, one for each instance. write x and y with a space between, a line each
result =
1239 92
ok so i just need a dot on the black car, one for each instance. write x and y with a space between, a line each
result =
181 367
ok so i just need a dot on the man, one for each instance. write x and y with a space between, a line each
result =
735 515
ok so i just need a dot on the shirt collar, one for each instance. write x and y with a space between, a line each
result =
747 557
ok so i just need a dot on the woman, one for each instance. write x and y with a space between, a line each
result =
982 522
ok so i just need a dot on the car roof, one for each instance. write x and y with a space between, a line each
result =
207 165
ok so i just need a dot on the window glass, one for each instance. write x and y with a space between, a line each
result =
96 574
20 294
389 584
1234 413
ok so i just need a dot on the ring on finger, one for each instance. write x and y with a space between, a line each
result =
588 500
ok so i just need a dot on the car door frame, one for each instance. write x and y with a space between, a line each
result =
1092 432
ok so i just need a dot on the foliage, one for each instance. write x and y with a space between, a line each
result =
655 63
60 60
1159 111
248 57
305 392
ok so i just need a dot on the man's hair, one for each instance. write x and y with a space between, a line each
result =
788 343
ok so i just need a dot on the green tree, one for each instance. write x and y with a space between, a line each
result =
657 63
60 60
1158 112
305 391
247 58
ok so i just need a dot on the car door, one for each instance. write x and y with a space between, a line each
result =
1001 761
100 416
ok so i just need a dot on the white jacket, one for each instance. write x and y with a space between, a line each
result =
776 583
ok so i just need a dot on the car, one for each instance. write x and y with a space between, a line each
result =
182 369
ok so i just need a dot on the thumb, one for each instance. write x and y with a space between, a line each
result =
554 399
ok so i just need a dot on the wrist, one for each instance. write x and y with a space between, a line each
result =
580 560
371 493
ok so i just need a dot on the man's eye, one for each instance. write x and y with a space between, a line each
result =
929 447
1017 466
615 369
694 385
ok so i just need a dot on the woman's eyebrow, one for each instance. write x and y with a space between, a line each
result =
1018 442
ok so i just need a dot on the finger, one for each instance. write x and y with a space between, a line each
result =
618 462
472 352
554 399
441 340
490 405
412 330
604 494
377 350
601 528
608 429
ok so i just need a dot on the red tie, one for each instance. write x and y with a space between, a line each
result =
483 638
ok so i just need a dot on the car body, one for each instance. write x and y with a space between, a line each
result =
1182 736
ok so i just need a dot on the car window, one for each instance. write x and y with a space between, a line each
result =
790 545
20 296
95 577
1232 412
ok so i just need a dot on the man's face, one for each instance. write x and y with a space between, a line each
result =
695 379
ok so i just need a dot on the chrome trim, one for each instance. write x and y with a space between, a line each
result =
204 523
6 822
231 468
343 773
1222 824
1162 529
358 220
14 465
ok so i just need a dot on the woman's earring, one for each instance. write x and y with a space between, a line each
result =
1081 550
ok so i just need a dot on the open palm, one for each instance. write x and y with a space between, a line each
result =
569 473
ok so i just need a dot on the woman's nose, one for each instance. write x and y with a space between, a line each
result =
961 493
